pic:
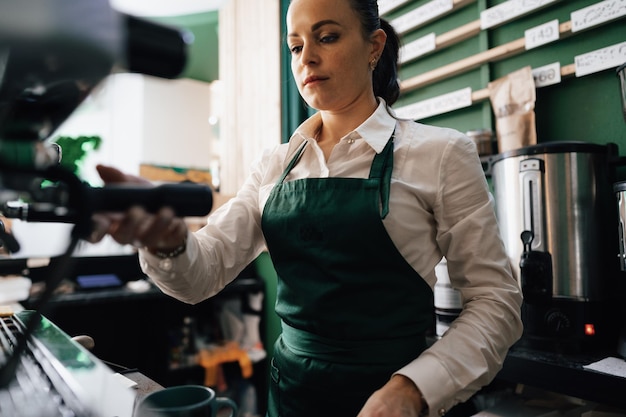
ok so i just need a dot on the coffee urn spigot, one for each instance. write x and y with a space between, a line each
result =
536 272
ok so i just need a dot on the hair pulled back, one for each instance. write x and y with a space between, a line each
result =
385 77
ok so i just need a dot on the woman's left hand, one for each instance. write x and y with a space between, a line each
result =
397 398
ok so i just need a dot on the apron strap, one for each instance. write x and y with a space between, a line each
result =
292 163
382 167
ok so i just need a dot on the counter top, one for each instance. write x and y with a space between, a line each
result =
565 373
144 385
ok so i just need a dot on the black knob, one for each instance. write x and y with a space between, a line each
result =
557 322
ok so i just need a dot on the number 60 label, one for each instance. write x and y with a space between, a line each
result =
547 75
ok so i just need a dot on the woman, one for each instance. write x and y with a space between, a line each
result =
356 211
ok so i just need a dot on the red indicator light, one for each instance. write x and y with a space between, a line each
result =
590 329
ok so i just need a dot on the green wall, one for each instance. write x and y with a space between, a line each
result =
203 53
586 109
578 109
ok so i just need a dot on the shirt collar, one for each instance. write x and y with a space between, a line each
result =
379 127
375 130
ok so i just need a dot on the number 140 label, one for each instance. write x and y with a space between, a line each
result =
542 34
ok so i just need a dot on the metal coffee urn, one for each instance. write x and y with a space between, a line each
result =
556 214
620 190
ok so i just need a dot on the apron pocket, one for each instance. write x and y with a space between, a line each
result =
275 372
273 406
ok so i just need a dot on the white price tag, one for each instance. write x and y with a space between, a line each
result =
598 13
600 59
436 105
509 10
385 6
421 15
542 34
547 75
418 47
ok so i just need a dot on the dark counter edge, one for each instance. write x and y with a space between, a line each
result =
127 269
240 285
564 374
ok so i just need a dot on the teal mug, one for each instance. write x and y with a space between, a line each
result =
184 401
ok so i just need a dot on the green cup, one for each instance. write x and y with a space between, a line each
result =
184 401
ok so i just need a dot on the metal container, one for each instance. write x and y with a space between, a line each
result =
448 303
561 191
620 190
621 73
483 139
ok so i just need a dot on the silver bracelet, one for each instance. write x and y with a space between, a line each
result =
173 253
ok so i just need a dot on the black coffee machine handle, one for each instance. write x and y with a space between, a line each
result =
615 160
536 272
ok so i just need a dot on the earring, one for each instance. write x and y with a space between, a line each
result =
373 63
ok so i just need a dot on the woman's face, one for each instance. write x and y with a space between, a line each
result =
329 55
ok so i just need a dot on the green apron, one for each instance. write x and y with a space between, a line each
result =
353 310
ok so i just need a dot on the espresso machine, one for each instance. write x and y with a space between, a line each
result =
53 53
556 213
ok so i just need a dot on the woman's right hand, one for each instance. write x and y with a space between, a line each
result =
158 232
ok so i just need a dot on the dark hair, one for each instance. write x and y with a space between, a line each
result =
385 78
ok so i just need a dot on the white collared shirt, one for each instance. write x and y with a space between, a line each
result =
439 206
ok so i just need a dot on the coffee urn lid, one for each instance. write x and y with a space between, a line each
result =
618 187
554 147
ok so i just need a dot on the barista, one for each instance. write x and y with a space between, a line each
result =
356 211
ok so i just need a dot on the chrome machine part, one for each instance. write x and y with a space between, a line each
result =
560 192
557 219
620 190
